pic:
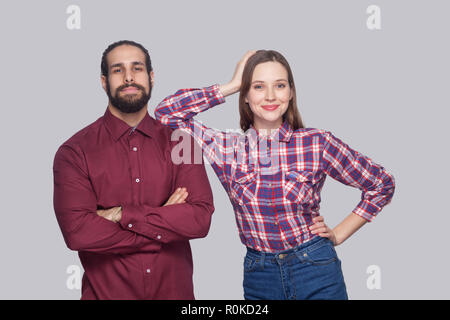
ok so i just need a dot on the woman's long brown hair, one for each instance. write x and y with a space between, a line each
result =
292 115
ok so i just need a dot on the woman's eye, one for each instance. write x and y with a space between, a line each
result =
281 85
257 86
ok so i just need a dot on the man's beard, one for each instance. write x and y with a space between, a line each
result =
129 103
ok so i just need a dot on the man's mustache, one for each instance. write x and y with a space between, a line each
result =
131 85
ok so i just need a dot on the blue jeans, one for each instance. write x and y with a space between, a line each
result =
309 271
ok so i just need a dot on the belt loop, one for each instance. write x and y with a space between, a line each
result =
263 256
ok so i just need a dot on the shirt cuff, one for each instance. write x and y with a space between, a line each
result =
130 217
214 95
133 219
367 210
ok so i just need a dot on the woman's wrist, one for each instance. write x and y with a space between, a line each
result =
348 227
229 88
337 239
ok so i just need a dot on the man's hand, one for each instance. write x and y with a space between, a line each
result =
115 214
179 196
235 84
112 214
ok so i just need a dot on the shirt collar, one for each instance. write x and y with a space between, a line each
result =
117 127
284 132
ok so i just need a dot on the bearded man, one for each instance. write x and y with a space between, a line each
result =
120 200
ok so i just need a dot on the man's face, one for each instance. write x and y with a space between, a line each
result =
128 85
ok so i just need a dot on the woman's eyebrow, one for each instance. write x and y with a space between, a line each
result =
278 80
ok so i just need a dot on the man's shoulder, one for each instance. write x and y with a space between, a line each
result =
167 138
165 135
160 130
84 136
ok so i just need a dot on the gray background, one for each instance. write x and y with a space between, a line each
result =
383 92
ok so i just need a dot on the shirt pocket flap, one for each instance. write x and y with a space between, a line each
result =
299 176
298 186
244 178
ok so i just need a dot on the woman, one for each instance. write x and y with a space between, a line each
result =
273 175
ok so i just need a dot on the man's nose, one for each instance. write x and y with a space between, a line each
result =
129 77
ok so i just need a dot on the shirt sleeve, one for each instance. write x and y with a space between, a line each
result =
75 207
178 222
352 168
178 110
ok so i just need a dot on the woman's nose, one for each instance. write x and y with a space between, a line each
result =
270 95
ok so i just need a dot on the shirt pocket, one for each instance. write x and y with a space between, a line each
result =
243 186
298 186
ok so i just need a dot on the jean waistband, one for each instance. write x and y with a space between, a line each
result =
307 246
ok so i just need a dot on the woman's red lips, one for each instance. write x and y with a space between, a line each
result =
270 107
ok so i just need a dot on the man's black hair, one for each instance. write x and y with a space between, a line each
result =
104 64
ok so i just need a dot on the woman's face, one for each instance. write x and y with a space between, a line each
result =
269 95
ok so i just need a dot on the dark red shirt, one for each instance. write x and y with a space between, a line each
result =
147 254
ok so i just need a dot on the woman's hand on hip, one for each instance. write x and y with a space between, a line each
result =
322 230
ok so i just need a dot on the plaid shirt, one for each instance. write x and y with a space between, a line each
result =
274 182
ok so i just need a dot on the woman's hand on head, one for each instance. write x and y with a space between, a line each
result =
235 84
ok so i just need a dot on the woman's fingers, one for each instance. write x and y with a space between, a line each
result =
322 230
318 219
240 66
318 225
235 83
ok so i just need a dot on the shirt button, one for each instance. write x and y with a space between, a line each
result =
134 149
148 270
240 202
130 225
137 180
158 237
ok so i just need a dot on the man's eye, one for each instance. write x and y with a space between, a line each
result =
116 70
138 69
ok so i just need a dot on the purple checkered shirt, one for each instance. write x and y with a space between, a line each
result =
274 181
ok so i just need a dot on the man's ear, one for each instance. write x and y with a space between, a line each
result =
103 80
152 77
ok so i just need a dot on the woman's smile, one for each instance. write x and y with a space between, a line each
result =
270 107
